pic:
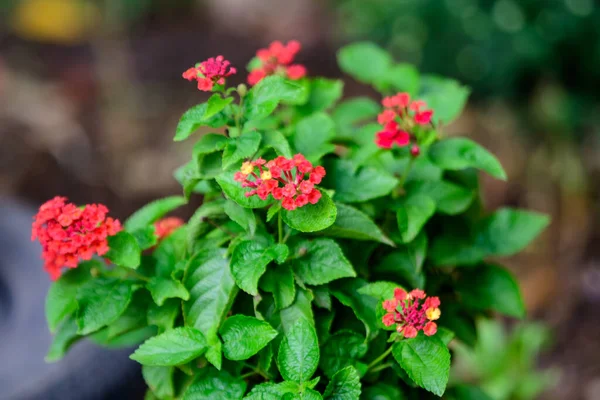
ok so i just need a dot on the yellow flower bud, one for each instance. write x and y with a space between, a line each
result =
433 313
266 175
247 168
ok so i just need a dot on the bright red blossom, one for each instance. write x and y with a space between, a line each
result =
398 119
210 72
165 226
284 179
412 312
277 60
69 234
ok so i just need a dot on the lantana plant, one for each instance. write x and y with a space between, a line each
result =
340 248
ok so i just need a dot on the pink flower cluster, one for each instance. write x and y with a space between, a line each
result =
277 59
69 233
398 118
165 226
284 179
210 72
412 312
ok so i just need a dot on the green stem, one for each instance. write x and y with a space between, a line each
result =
279 227
249 374
406 172
380 367
238 115
133 274
380 358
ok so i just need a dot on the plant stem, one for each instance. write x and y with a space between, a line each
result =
279 227
380 358
133 274
380 367
249 374
406 172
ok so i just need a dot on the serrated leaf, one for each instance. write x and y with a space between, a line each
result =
133 318
124 250
164 316
342 349
313 135
210 143
245 336
312 217
236 192
212 291
460 153
101 301
412 215
324 93
301 308
197 225
354 184
61 300
491 287
194 118
173 347
351 223
400 78
426 360
280 282
364 61
241 147
449 198
363 306
406 262
216 385
298 356
145 237
216 104
243 216
382 391
273 210
278 142
248 263
159 380
445 96
320 261
344 385
170 252
162 288
65 337
348 114
152 212
272 391
263 98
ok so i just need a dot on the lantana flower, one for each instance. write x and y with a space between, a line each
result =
277 60
412 312
291 180
210 72
398 119
165 226
69 233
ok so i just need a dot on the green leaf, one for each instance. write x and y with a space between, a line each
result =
244 336
298 356
313 135
280 282
248 263
364 61
65 337
197 225
236 192
210 143
243 216
449 198
363 306
307 394
216 385
162 288
382 391
342 349
216 104
209 166
173 347
164 316
508 231
159 380
467 392
426 360
412 215
133 318
263 98
491 287
407 262
380 290
212 291
324 93
152 212
273 210
301 308
272 391
194 118
101 301
241 147
348 114
354 224
124 250
320 261
446 97
345 385
170 251
460 153
312 217
354 184
128 339
400 78
61 300
278 142
145 237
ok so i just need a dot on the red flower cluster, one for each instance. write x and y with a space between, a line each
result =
411 314
69 233
284 179
277 59
210 72
398 118
164 227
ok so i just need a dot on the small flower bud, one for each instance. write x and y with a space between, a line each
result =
242 89
415 151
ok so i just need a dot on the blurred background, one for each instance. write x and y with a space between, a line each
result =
91 92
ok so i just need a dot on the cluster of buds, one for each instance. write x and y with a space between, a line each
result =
290 180
210 72
69 233
398 118
412 312
165 226
277 60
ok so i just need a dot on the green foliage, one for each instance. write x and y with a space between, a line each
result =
293 298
